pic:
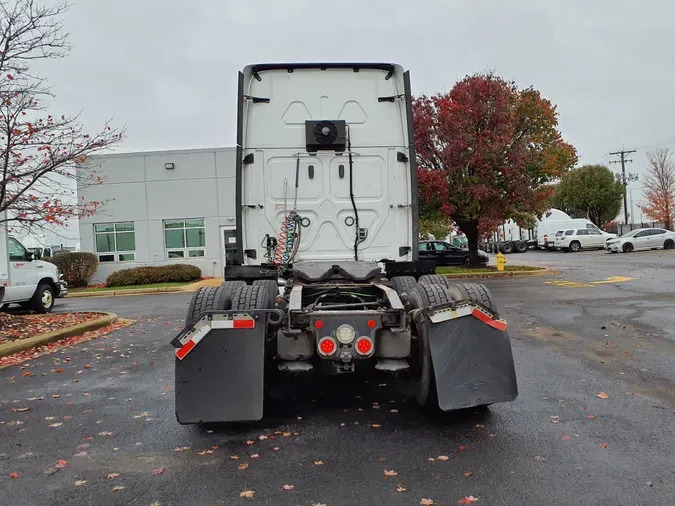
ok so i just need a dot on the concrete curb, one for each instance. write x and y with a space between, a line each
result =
505 274
120 293
7 349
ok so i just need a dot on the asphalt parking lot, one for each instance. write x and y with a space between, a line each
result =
605 324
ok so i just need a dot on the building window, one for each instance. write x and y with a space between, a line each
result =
184 238
115 242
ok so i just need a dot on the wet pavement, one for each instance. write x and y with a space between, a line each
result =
106 407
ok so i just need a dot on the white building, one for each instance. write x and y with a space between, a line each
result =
161 208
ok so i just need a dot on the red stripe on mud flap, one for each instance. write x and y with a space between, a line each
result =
243 324
187 348
497 324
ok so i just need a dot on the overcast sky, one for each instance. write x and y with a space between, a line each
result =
168 68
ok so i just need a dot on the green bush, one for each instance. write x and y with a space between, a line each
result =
77 267
172 273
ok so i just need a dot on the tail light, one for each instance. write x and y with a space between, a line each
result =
364 346
327 346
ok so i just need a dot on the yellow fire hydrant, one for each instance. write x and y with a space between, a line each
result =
501 260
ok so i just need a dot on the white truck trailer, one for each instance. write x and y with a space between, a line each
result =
326 207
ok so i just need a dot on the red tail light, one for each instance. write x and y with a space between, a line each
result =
327 346
364 346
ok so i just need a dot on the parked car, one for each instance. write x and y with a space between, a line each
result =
581 238
642 239
446 254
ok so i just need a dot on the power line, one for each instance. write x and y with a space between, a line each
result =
624 177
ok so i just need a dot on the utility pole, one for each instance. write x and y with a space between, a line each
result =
624 178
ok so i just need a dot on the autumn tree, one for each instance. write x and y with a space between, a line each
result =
38 151
486 152
591 191
660 187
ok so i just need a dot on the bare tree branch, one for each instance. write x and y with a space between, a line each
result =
40 153
660 184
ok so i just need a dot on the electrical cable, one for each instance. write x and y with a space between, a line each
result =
351 194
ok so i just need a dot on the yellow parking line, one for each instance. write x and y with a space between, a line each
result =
578 284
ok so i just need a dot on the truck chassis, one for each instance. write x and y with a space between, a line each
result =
332 319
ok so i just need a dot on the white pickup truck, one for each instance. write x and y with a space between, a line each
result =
33 284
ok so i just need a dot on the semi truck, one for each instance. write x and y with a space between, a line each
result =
33 284
324 276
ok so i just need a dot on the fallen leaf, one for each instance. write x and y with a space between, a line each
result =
342 425
276 448
61 463
243 466
50 471
319 504
56 396
603 395
159 470
590 417
427 502
442 457
13 475
286 434
468 474
393 410
80 482
462 448
318 462
376 425
182 449
431 459
60 369
81 454
57 424
467 500
234 457
262 437
205 452
20 410
117 488
154 504
247 494
400 488
215 447
250 442
255 456
288 487
390 473
105 433
539 459
566 438
603 445
113 475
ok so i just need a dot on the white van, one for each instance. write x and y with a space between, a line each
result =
31 283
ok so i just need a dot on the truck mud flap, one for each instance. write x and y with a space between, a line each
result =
471 356
220 366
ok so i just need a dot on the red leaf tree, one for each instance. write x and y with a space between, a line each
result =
39 152
486 152
660 186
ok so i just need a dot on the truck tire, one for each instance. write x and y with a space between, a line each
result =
272 284
421 296
474 292
231 287
521 247
207 298
253 297
507 248
434 279
43 299
403 284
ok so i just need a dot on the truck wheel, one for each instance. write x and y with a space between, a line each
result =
434 279
421 296
231 287
207 298
43 299
521 247
507 248
272 284
474 292
403 284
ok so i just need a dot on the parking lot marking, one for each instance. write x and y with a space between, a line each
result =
590 284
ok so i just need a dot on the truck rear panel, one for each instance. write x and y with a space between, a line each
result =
278 171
